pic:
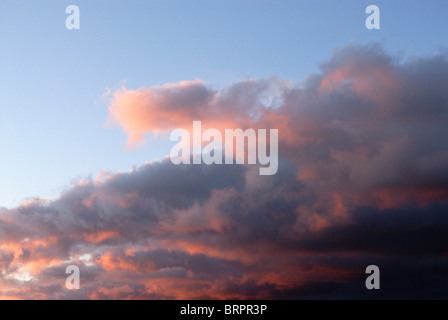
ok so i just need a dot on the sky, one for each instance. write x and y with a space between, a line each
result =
85 117
54 119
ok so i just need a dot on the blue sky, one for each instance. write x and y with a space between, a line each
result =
53 118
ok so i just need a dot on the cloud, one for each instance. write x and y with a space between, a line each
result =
176 105
361 180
